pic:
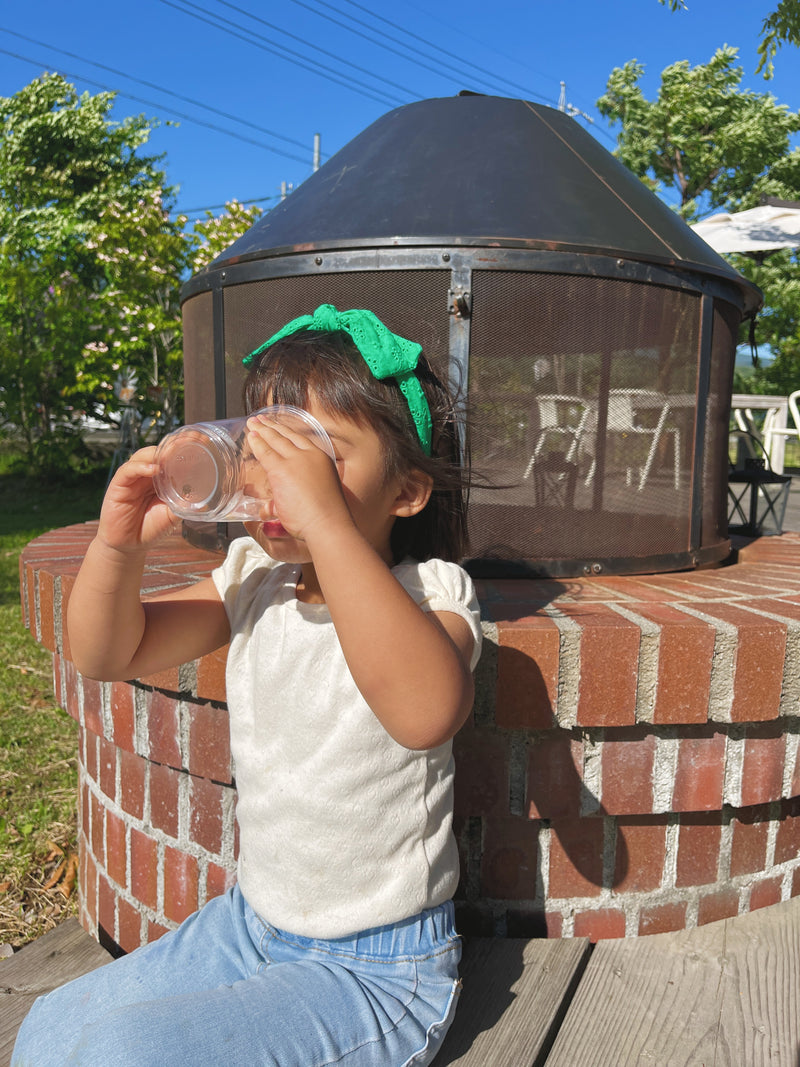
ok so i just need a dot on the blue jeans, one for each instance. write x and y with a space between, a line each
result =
228 988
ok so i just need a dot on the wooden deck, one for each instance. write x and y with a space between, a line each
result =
726 994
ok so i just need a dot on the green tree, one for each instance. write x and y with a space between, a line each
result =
214 233
82 221
718 147
702 138
781 26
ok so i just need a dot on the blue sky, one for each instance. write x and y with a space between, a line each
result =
302 67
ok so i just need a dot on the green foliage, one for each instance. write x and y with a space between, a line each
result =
85 244
38 741
213 234
780 27
703 137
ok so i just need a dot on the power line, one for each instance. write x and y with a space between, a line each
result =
152 103
378 95
158 88
494 78
316 48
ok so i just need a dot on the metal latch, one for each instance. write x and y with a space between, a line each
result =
459 301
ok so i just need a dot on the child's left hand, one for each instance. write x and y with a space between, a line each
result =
306 491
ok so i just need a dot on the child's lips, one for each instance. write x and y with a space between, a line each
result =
273 529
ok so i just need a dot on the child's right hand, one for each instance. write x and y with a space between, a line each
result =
132 517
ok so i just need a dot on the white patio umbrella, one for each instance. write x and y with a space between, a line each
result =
759 229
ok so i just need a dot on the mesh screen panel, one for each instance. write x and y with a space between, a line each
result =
582 406
198 362
411 303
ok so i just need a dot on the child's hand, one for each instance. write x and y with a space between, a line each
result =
132 517
306 491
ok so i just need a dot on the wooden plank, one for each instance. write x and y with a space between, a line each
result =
726 994
62 954
512 1001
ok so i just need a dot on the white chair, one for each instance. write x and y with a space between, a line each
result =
625 407
765 438
563 424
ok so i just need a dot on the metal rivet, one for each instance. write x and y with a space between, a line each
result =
318 260
597 568
446 257
620 262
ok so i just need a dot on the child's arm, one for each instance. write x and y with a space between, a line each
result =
112 633
411 666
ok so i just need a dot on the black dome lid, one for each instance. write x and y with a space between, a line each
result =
480 170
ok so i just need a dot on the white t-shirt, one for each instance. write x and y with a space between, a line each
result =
341 828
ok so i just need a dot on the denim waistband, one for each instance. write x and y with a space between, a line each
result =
418 936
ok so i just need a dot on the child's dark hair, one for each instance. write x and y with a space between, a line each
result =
329 365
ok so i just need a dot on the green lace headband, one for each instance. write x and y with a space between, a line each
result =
386 354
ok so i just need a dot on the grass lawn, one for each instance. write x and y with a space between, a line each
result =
38 741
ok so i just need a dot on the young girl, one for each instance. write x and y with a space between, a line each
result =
352 637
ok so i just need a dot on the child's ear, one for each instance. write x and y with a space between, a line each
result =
414 493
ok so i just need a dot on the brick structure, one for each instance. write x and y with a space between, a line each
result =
632 765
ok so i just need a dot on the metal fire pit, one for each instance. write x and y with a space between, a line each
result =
590 332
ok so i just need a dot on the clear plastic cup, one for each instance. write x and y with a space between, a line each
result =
207 472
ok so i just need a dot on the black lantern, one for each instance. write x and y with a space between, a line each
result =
757 499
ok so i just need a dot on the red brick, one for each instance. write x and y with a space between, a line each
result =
508 864
662 918
600 925
211 676
164 786
163 726
762 770
218 880
116 849
765 893
71 702
627 774
107 758
144 869
481 782
93 705
698 851
576 858
609 651
787 842
122 715
700 773
47 635
749 841
640 851
554 923
527 674
795 890
91 761
205 806
130 926
131 783
555 775
180 884
106 907
715 906
758 671
155 930
209 742
685 654
98 829
88 883
168 679
67 582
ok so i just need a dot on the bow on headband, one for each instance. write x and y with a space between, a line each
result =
386 354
